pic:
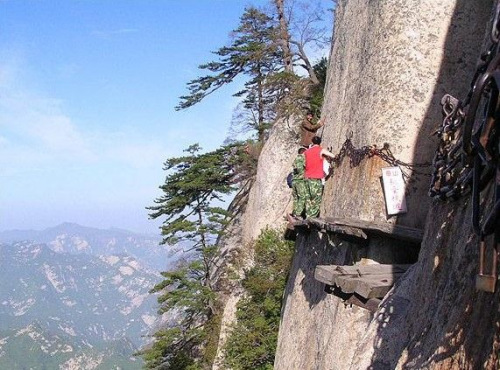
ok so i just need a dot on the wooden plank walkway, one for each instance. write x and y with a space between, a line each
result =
381 228
367 281
362 285
338 229
360 229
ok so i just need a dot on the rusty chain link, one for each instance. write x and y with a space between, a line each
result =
453 165
451 177
357 155
468 155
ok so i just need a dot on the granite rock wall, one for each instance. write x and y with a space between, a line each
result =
391 62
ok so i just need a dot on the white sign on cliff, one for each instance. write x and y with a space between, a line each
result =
394 190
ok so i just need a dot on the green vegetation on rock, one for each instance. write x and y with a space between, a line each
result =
252 341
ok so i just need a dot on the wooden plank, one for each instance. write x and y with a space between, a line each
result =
373 269
386 229
318 222
370 304
372 287
368 281
328 273
347 283
294 222
347 230
325 274
352 298
338 229
376 286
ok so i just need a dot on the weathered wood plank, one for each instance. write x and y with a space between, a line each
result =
347 283
372 286
368 281
373 269
318 222
352 298
324 274
390 230
370 305
376 286
328 273
293 222
338 229
347 230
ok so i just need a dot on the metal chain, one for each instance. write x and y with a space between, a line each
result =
357 155
468 155
451 178
453 169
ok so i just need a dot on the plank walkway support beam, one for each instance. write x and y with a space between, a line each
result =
338 229
354 299
365 281
361 285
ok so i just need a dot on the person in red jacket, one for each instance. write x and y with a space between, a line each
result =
314 174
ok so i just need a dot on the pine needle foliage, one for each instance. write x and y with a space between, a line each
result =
252 53
192 184
251 344
263 51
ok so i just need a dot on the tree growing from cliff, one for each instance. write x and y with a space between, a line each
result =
264 50
301 31
193 183
316 95
252 53
284 35
305 19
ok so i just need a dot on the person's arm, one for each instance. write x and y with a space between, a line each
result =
308 125
327 153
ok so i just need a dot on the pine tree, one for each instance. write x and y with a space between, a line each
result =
252 53
284 35
192 185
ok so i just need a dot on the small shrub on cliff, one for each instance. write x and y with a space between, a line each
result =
252 341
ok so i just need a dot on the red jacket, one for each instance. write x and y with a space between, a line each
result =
314 163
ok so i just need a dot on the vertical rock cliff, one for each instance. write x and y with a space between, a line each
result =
390 64
263 203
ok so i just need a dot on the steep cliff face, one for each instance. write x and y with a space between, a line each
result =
270 198
263 203
391 62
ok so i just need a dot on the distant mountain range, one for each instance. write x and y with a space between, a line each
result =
73 238
73 297
33 347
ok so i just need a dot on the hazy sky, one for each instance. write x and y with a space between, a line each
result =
87 96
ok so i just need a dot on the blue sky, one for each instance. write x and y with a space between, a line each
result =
87 97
